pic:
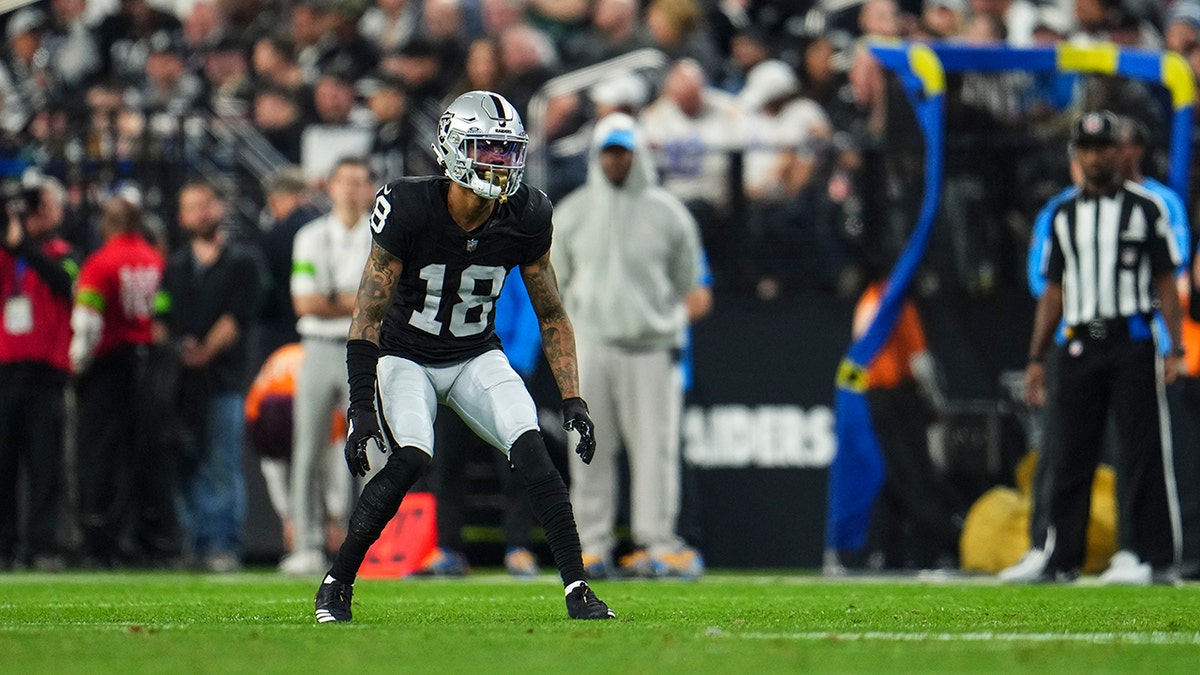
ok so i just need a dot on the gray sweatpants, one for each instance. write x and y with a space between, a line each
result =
318 466
635 398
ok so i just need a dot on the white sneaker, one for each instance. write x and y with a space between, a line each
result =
303 564
831 565
1028 569
1126 569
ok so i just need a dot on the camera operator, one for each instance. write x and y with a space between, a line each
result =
36 273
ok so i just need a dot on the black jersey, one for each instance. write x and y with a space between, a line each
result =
443 305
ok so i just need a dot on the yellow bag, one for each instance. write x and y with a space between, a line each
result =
996 532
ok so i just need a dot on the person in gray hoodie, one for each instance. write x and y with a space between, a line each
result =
627 255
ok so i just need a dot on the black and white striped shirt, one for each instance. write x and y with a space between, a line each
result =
1106 252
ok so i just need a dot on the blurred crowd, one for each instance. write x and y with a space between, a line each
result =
793 148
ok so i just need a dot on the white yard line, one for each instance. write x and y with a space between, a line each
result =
1124 637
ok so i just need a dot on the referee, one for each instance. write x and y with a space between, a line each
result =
1111 257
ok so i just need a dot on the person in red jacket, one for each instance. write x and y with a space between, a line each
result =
36 273
122 479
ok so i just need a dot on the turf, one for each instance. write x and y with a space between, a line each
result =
727 623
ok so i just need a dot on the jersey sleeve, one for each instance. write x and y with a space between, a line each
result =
91 289
1164 251
387 223
1053 261
304 263
541 214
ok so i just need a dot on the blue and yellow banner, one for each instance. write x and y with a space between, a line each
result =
857 471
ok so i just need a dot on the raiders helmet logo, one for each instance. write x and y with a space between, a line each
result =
1093 124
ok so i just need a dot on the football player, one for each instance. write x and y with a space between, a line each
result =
422 334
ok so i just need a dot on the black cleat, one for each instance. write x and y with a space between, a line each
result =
333 602
582 603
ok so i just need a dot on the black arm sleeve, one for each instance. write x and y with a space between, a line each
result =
361 359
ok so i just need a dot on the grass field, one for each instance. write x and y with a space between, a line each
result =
726 623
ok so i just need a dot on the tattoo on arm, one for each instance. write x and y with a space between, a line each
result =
558 336
374 294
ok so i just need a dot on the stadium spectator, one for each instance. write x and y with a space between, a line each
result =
288 208
36 273
72 43
529 60
1093 18
482 70
561 20
342 128
912 524
126 480
400 146
677 28
687 128
27 59
879 19
227 72
202 27
782 134
943 19
308 25
442 23
122 37
279 118
168 86
389 24
212 288
273 61
328 255
615 30
499 15
1016 16
342 48
621 226
748 47
419 65
1182 26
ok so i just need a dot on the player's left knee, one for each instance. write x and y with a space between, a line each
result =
531 459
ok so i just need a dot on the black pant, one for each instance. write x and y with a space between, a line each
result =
1099 376
125 484
1184 397
912 522
31 442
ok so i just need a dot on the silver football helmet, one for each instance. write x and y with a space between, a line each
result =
481 144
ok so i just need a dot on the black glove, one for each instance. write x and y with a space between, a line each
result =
363 426
575 417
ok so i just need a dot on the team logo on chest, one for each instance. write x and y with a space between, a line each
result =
472 244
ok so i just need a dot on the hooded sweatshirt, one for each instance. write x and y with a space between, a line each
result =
625 256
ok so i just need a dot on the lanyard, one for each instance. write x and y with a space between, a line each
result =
19 270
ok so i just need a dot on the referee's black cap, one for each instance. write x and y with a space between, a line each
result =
1134 132
1095 128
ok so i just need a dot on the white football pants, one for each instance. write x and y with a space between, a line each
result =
485 392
